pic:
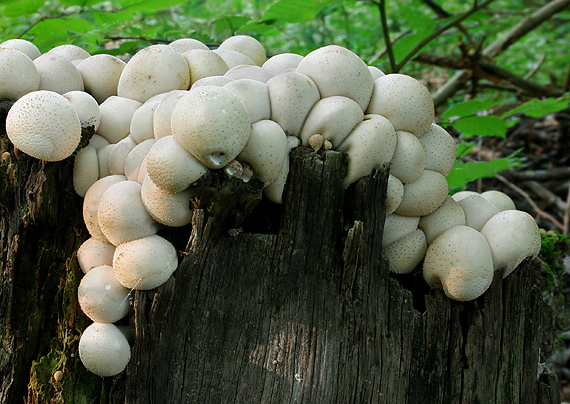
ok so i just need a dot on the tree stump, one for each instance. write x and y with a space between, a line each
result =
297 307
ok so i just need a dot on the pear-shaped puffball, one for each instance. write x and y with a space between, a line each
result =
254 96
101 297
501 200
370 145
118 155
333 118
448 215
168 209
397 227
85 170
409 158
91 204
122 214
394 194
251 72
93 253
513 236
104 350
171 167
18 74
70 52
86 107
44 125
135 158
339 71
101 75
440 149
461 260
424 195
405 254
116 115
22 45
274 191
266 150
246 45
292 95
212 124
153 70
182 45
204 63
283 62
58 74
405 101
142 120
233 58
163 113
145 263
477 211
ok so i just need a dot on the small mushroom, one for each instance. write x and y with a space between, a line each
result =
116 115
18 74
104 350
376 72
58 74
141 128
86 107
501 200
477 211
163 113
103 157
254 96
440 149
70 52
233 58
135 158
408 161
246 45
91 204
169 209
251 72
22 45
93 253
283 62
101 75
182 45
397 227
204 63
85 170
274 191
219 81
118 155
424 195
394 194
405 254
448 215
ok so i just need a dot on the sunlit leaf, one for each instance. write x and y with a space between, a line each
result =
21 7
229 23
469 107
293 11
254 27
49 33
537 108
488 125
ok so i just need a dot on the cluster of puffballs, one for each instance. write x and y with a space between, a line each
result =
173 112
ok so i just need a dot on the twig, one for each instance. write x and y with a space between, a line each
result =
558 173
386 34
536 68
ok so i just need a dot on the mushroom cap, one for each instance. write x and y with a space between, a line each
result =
44 125
219 81
339 71
246 45
70 52
171 167
254 96
98 141
440 149
405 101
103 157
118 155
333 117
145 263
93 253
86 107
85 169
135 158
18 74
163 113
142 120
212 124
101 75
409 158
463 194
513 236
461 260
376 72
477 211
397 227
101 297
58 74
394 194
252 72
291 95
424 195
448 215
501 200
233 58
370 145
91 204
204 63
182 45
104 350
116 116
22 45
274 191
153 70
405 254
283 62
169 209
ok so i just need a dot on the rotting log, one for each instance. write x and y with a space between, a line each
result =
286 303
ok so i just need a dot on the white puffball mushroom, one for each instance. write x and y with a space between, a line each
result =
118 155
171 167
246 45
135 158
339 71
182 45
91 204
153 70
86 107
103 157
22 45
461 260
283 62
142 125
291 95
376 72
104 350
409 158
101 297
405 254
440 149
501 200
513 236
463 194
219 81
274 191
85 169
122 214
44 125
145 263
70 52
169 209
394 194
204 63
424 195
163 112
370 145
116 116
233 58
212 124
397 227
249 72
93 253
58 74
477 211
101 75
254 96
333 117
405 101
98 141
448 215
18 74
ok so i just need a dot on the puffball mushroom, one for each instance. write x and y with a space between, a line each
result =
118 155
274 191
394 194
91 204
405 254
339 71
103 157
169 209
376 72
219 81
153 70
424 195
163 112
204 63
22 45
101 297
477 211
370 145
448 215
439 148
501 200
44 125
409 158
135 158
212 124
85 169
145 263
18 74
116 115
246 45
93 253
58 74
70 52
182 45
463 194
405 101
142 120
104 350
283 62
122 214
233 58
254 96
460 259
249 72
86 107
513 236
101 75
397 227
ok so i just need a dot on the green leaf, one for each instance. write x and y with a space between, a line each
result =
255 27
22 7
487 125
464 148
463 173
537 108
467 108
57 31
229 23
148 5
293 11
